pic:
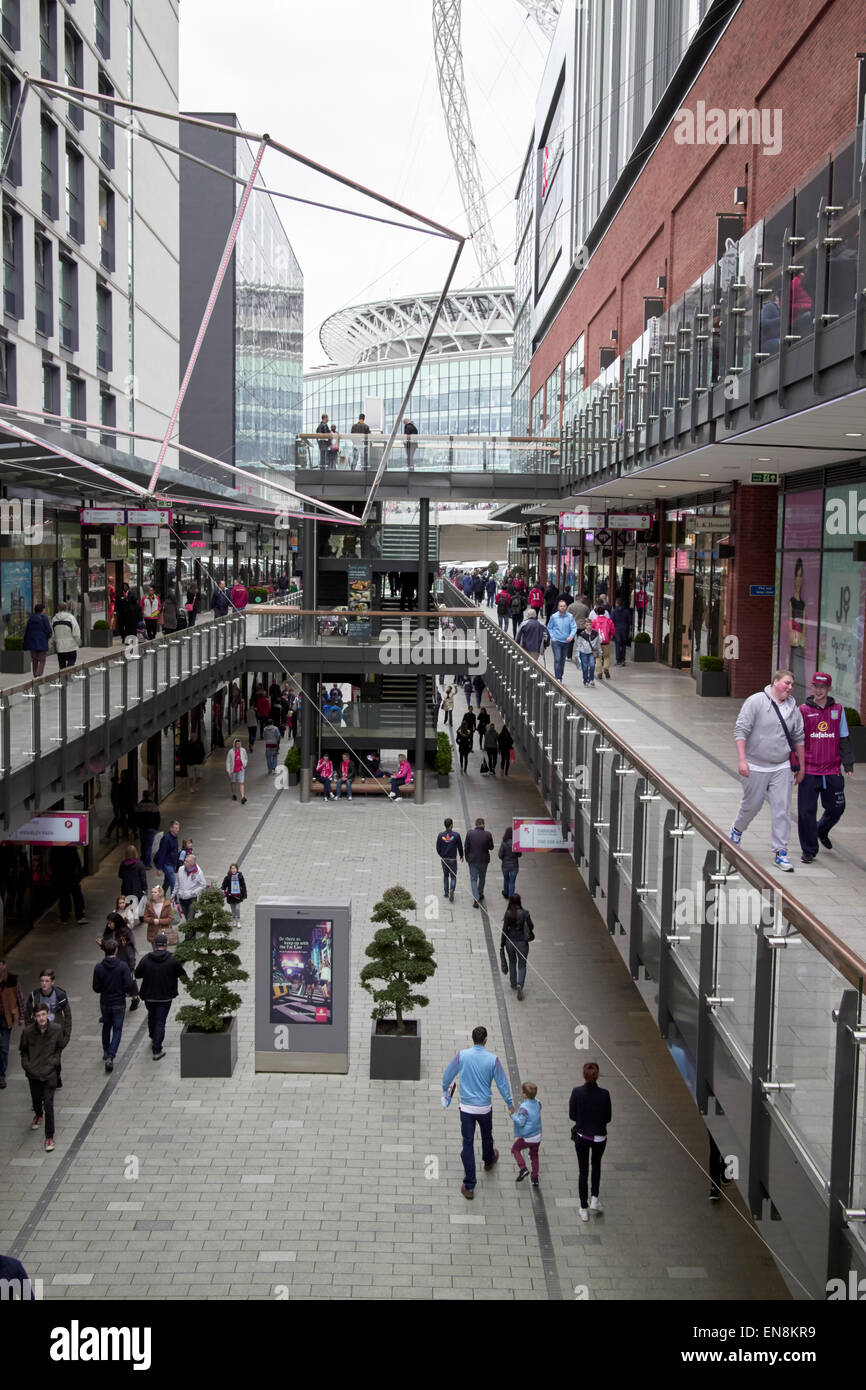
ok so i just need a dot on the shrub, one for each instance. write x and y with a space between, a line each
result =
14 644
852 715
401 955
712 663
217 965
444 760
642 637
293 759
100 625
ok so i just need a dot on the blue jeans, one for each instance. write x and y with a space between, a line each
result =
168 880
112 1028
271 755
587 666
477 879
5 1034
560 651
344 782
147 838
467 1153
396 784
326 787
157 1014
449 875
509 878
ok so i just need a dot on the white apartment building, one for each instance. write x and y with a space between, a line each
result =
91 303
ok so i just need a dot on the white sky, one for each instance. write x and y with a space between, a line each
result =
353 85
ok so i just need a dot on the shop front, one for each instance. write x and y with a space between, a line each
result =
695 577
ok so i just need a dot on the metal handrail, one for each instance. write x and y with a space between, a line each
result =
840 956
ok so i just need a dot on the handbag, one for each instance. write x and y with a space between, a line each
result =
792 756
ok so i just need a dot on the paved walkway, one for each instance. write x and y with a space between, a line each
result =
339 1187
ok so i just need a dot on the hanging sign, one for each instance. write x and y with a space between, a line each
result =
53 828
532 835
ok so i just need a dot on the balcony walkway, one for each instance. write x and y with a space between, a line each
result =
223 1204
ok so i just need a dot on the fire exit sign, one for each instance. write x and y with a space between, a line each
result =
766 479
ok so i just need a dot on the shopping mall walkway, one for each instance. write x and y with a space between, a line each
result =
336 1186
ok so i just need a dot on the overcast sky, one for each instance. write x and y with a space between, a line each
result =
353 85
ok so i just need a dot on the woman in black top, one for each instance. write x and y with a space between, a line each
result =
506 743
516 930
481 726
193 600
127 614
464 745
589 1109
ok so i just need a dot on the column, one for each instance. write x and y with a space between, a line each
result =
308 553
423 562
420 737
309 708
749 617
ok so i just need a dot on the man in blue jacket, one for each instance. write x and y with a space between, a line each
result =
112 981
37 635
561 629
477 1069
622 629
167 856
449 846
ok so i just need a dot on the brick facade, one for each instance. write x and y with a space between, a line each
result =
754 511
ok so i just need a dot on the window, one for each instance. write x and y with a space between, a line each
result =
550 186
106 226
573 373
106 127
48 39
76 400
50 389
73 63
74 193
102 25
103 328
10 22
537 413
68 304
44 261
50 191
108 416
13 283
10 92
7 373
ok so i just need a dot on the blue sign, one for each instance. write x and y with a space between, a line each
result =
762 591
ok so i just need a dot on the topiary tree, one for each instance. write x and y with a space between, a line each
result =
400 954
492 567
217 965
444 759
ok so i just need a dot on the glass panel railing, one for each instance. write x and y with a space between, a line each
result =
738 911
689 850
97 686
47 712
431 454
22 709
842 229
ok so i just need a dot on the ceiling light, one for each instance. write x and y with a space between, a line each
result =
853 434
661 484
703 475
764 460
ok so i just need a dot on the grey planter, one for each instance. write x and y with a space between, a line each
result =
711 682
442 780
643 651
857 734
209 1054
100 637
14 663
294 778
394 1057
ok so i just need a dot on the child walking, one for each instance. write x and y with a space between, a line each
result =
527 1131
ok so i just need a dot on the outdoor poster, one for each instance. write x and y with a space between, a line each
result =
540 836
16 586
843 594
301 972
360 582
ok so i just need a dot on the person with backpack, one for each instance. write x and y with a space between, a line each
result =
516 610
535 599
603 625
517 932
448 707
467 691
503 608
491 748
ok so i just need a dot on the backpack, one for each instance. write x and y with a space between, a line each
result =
516 605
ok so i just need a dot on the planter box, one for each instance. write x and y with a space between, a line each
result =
14 663
711 682
442 780
394 1057
294 778
209 1054
101 638
643 651
858 742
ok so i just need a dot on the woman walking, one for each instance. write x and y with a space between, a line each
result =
236 765
132 875
491 748
159 915
193 600
448 706
252 722
235 890
589 1109
506 743
193 755
67 636
464 746
482 725
517 933
510 858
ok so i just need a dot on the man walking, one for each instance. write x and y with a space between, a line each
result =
159 972
324 429
220 603
768 730
51 997
449 847
146 820
66 874
621 630
11 1012
477 1069
479 843
411 444
112 982
561 629
360 430
271 736
533 636
41 1046
827 751
167 857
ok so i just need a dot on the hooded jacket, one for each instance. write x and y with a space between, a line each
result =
37 633
159 973
759 724
532 636
67 633
133 878
41 1052
112 982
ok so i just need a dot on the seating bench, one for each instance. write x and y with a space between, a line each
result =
368 786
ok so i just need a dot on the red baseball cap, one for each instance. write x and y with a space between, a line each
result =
821 678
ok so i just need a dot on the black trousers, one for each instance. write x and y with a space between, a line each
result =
505 760
832 798
588 1154
42 1096
70 896
620 639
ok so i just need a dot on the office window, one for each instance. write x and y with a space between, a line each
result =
50 389
13 283
102 25
106 226
48 39
103 328
76 400
550 186
68 304
50 188
73 64
106 127
7 373
74 193
10 92
44 262
10 22
108 416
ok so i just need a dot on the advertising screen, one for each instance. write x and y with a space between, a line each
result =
300 964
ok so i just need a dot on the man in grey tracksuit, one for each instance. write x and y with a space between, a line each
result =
764 760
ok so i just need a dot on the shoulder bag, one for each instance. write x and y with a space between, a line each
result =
792 756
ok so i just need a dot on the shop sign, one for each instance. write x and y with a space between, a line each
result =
162 549
762 591
150 517
540 836
578 521
630 521
602 537
53 828
696 524
103 516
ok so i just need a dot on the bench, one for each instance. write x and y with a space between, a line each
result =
368 786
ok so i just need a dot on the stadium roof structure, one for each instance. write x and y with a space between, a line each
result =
394 330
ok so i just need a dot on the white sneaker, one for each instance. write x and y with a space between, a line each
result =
595 1204
583 1213
782 861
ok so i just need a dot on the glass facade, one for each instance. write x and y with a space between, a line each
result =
269 324
469 393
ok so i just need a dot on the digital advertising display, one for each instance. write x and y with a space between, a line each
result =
303 950
301 974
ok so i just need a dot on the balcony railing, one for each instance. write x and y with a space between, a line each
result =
428 453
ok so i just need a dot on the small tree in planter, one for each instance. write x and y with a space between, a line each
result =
711 678
101 634
642 647
293 765
14 661
444 759
402 957
209 1043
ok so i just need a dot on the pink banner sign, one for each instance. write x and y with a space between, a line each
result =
53 828
533 836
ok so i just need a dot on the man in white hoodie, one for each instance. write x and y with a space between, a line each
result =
768 731
67 636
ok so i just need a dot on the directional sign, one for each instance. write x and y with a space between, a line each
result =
762 591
